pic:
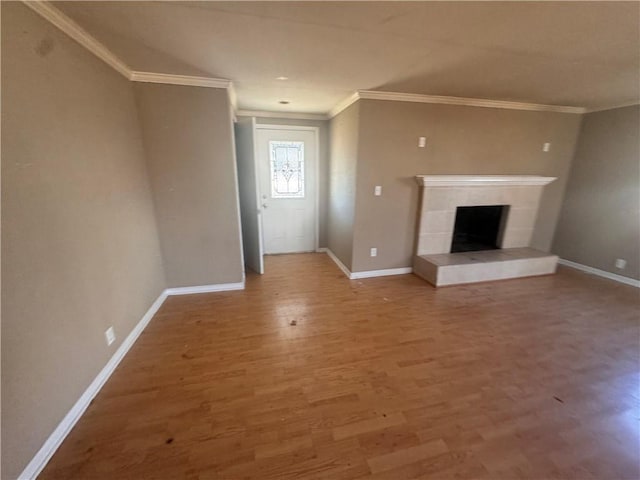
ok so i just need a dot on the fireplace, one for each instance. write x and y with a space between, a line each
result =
442 196
478 228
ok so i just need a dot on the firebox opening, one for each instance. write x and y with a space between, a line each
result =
478 228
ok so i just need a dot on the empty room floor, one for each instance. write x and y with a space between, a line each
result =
378 378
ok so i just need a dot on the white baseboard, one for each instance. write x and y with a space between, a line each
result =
219 287
381 273
367 274
40 460
322 250
601 273
340 265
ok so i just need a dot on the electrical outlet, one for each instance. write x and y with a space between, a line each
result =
110 335
377 190
546 147
374 252
621 263
422 142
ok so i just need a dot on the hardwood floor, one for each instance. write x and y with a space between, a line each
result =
380 378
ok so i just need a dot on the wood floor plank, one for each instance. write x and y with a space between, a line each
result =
382 378
405 456
369 425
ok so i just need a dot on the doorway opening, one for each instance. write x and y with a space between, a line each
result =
278 178
287 160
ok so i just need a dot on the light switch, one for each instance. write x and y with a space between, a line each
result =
546 146
422 142
377 191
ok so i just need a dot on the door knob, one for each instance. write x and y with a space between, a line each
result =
264 205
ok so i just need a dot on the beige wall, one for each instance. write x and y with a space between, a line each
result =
323 166
600 219
460 140
342 182
79 240
188 139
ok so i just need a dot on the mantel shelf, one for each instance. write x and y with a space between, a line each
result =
482 180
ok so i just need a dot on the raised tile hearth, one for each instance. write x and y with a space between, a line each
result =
469 267
443 197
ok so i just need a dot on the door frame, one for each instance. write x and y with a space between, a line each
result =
316 134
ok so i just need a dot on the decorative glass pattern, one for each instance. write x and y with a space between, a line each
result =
287 169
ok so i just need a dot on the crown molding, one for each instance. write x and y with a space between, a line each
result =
76 32
444 100
470 102
57 18
622 105
351 99
188 80
290 115
79 34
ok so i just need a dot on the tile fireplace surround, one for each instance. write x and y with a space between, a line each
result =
442 194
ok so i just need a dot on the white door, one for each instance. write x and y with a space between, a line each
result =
249 196
287 169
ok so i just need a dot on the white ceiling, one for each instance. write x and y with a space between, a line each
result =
584 54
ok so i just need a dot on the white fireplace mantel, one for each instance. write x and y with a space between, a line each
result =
482 180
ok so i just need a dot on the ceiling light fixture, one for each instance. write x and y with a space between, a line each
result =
284 102
282 78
